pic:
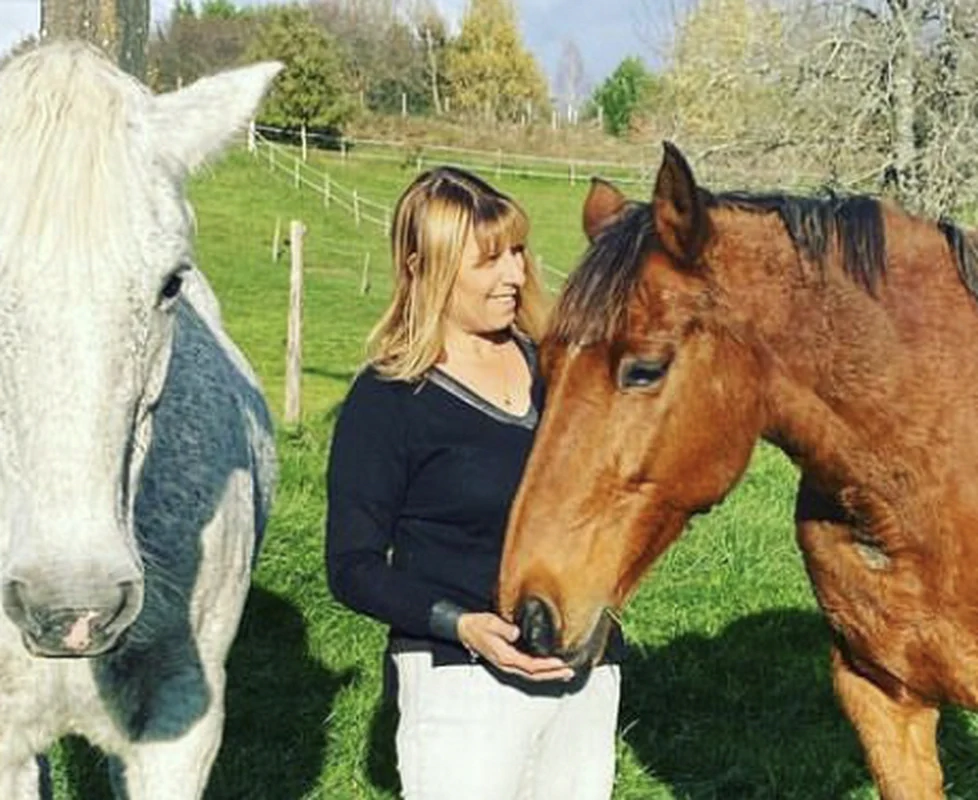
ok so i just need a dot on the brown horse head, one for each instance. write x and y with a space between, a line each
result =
653 408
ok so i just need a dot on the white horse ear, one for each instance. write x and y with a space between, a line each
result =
196 122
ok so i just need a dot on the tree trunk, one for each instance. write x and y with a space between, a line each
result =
118 27
902 69
433 70
133 26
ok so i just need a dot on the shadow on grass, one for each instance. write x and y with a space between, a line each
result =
750 713
382 757
278 700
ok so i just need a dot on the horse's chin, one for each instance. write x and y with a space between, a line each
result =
582 657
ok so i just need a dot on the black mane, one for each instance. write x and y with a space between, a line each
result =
592 305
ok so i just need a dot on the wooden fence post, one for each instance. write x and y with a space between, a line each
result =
365 277
293 355
277 240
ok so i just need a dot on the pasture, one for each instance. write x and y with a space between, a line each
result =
726 691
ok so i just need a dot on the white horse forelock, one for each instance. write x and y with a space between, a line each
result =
76 163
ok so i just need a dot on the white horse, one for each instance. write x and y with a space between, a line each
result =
136 450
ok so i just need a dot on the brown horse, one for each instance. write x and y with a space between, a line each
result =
842 330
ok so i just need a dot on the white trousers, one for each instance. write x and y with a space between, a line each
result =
466 735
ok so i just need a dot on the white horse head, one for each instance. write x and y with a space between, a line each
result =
95 237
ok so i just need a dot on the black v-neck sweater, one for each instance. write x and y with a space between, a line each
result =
419 484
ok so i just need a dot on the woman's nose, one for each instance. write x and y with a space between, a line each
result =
515 268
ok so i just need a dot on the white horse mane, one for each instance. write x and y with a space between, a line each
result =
70 143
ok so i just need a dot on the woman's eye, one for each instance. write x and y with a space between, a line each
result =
641 373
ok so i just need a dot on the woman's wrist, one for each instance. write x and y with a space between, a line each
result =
443 620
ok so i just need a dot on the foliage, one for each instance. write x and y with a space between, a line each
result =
722 80
384 57
191 44
310 90
490 72
622 94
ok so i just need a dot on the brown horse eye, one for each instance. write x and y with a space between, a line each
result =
641 374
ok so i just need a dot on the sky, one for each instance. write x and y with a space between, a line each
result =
604 31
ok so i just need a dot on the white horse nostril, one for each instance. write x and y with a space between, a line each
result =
79 637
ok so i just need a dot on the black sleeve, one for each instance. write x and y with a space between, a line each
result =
366 482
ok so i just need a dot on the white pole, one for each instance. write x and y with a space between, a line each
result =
276 239
293 356
365 277
305 144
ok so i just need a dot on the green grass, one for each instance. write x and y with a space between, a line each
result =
726 690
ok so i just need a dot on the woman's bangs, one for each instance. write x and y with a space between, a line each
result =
499 225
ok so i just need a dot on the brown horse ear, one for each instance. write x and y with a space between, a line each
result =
678 212
603 202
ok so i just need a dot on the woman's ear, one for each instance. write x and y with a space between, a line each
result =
413 264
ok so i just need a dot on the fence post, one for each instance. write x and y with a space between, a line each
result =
277 240
293 356
251 137
403 104
305 144
365 277
343 148
295 178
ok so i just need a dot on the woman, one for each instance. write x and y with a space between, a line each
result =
425 461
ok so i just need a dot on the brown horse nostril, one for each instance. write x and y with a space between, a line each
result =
538 635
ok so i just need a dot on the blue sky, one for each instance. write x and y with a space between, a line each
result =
605 31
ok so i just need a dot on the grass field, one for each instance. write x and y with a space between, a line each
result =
726 690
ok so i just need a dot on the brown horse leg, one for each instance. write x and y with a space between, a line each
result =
900 738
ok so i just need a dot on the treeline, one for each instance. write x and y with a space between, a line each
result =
345 55
877 95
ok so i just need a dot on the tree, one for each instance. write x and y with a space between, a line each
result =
189 45
310 90
570 81
858 94
384 57
490 73
622 94
219 9
433 33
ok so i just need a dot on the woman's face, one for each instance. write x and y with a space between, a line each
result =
486 294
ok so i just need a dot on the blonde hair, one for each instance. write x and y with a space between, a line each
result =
432 221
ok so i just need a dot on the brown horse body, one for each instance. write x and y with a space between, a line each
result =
844 332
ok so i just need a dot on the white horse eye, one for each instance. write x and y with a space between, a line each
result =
171 287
